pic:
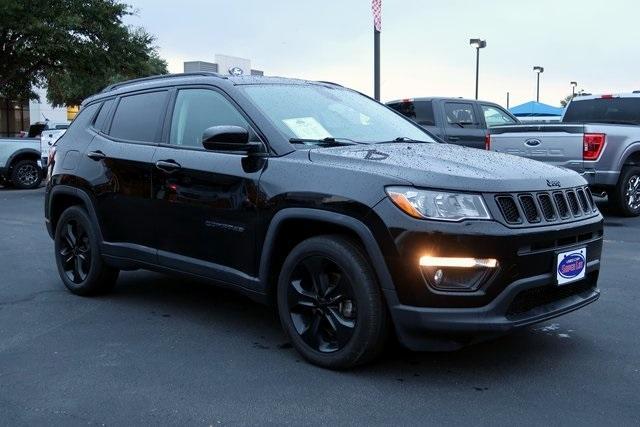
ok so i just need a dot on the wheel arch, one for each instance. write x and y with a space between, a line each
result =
22 154
61 198
290 226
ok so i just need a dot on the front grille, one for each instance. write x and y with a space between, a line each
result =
529 208
561 203
547 207
537 297
583 201
587 191
509 209
557 206
573 203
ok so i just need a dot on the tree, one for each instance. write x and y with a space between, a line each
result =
73 47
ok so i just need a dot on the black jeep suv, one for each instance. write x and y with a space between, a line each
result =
346 215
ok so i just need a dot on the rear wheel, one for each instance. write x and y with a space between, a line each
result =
330 304
26 174
80 265
625 197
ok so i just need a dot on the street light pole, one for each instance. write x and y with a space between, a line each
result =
573 89
478 44
539 70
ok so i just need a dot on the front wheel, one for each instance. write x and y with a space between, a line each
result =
625 197
330 304
77 252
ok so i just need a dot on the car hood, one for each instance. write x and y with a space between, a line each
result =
447 166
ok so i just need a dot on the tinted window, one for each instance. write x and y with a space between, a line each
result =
495 116
419 111
139 117
622 110
103 114
197 110
459 115
82 121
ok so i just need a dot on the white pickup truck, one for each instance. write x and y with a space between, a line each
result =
20 163
599 137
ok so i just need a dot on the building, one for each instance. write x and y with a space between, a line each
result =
224 65
16 117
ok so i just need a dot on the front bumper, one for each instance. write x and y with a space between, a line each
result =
427 328
524 291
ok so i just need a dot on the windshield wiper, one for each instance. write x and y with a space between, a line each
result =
403 139
328 141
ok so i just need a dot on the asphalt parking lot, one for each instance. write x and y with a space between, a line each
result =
165 350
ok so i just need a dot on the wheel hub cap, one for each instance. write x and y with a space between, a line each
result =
321 304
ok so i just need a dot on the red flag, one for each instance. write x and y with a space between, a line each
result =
376 8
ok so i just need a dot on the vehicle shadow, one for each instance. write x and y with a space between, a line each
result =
530 349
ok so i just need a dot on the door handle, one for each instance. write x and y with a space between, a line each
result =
96 155
453 138
168 166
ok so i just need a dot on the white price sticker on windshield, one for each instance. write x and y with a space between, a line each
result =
307 128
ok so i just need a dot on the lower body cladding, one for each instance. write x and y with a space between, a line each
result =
459 283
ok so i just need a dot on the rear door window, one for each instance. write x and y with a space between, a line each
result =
101 120
139 117
419 111
460 115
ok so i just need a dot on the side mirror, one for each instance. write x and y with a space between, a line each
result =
229 139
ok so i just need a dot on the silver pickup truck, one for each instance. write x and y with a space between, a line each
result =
599 137
20 163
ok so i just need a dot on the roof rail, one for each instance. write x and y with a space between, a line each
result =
159 77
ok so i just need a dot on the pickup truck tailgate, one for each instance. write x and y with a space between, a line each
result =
557 144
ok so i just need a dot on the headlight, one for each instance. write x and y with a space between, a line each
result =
439 205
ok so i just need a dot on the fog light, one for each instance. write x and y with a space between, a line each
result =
457 274
437 277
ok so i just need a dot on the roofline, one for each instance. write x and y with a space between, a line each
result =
160 77
606 95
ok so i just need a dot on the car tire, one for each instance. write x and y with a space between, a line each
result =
26 174
77 253
625 197
330 304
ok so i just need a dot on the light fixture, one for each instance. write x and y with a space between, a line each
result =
478 44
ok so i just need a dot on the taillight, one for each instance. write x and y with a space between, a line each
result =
487 142
593 144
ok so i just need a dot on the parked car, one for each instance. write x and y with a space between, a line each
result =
348 217
20 162
599 137
455 120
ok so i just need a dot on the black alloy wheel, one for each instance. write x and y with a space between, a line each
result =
321 303
75 252
78 258
330 304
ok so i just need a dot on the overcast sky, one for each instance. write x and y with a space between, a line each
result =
425 44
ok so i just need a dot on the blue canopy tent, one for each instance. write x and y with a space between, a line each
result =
535 109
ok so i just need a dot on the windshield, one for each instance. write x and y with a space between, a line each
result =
604 110
316 113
